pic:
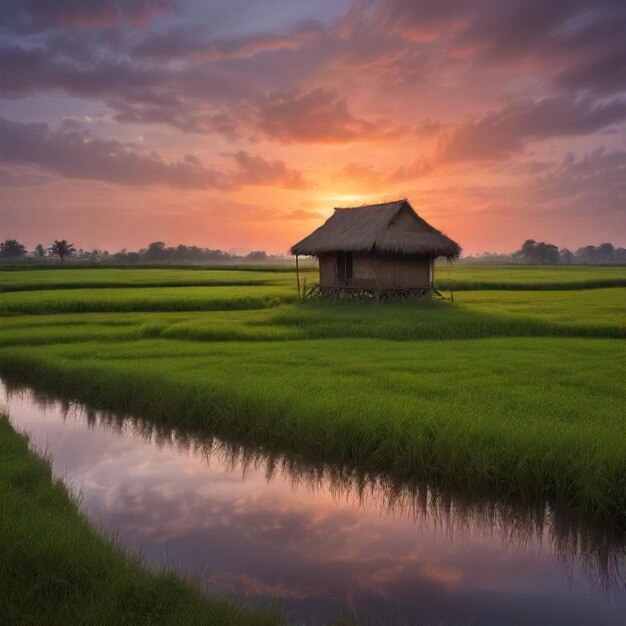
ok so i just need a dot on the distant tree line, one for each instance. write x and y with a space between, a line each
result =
13 249
542 253
531 251
156 252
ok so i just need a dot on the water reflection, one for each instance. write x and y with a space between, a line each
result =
326 540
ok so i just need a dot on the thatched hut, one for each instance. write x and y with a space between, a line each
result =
377 249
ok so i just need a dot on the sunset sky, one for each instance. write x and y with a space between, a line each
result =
240 124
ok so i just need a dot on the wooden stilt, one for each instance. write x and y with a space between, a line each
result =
298 276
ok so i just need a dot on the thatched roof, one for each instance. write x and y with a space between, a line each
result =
378 227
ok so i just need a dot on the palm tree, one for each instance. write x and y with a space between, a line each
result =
62 248
11 249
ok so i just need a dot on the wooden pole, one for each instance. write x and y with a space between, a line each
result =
298 276
432 273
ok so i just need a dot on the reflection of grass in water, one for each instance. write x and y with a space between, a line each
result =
599 551
55 569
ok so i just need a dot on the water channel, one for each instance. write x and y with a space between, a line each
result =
323 542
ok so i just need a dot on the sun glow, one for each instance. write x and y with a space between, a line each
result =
345 200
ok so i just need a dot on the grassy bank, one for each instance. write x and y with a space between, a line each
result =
56 569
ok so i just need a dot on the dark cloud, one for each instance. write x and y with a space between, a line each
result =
185 40
70 151
189 76
175 112
255 170
501 31
181 78
604 74
594 184
584 38
533 28
500 134
30 69
316 116
37 15
73 153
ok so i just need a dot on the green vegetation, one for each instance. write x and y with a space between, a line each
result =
537 419
531 407
145 299
30 280
56 569
460 277
478 314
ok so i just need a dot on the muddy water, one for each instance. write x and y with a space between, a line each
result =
321 541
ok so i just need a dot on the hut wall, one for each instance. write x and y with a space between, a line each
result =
328 270
363 271
412 272
378 272
402 272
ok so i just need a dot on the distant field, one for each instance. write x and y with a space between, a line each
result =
461 277
145 299
514 391
37 279
457 276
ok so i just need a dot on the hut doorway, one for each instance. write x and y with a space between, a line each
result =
344 267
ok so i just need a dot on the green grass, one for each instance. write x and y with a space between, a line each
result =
531 418
57 569
144 299
528 277
458 277
604 307
597 313
531 407
30 280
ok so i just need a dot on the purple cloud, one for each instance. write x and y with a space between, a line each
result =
500 134
71 152
316 116
39 15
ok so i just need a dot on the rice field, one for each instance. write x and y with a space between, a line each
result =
463 276
145 299
516 392
458 276
88 278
